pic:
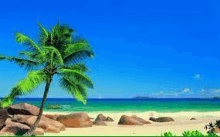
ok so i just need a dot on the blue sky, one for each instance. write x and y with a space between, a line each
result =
154 48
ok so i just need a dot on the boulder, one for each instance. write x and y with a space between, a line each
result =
153 119
126 120
47 127
21 118
15 128
109 119
140 119
6 134
101 117
55 123
164 119
52 116
8 121
3 116
30 120
79 119
99 123
216 130
193 118
38 131
24 109
46 121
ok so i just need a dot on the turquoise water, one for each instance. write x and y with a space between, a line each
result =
138 105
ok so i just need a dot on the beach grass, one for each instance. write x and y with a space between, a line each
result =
195 133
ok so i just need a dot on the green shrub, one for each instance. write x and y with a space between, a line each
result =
212 134
167 134
192 133
54 106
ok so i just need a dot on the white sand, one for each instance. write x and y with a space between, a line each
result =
182 123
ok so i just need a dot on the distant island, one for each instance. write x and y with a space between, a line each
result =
216 98
141 97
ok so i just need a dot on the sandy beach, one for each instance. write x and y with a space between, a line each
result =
182 122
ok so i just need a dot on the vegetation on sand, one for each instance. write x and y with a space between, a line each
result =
54 106
190 134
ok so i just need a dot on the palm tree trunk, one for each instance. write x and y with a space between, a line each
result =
31 131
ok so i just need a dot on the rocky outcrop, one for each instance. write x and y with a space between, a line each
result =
153 119
3 116
109 119
99 123
47 124
140 119
52 116
164 119
6 134
75 120
161 119
15 128
193 118
48 127
22 117
216 130
38 131
101 117
29 120
126 120
55 123
23 109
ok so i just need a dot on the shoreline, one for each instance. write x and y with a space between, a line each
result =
182 123
147 113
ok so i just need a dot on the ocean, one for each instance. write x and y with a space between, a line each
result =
132 105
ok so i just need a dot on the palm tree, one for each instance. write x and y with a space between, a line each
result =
59 53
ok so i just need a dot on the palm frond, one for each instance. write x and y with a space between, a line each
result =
79 66
8 100
44 34
23 39
77 52
27 85
75 89
27 64
43 30
77 75
54 59
32 81
26 53
82 92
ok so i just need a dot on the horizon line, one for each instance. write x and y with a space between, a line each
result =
112 98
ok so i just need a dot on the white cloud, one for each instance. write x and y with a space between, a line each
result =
166 93
217 90
202 90
197 76
186 90
176 93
